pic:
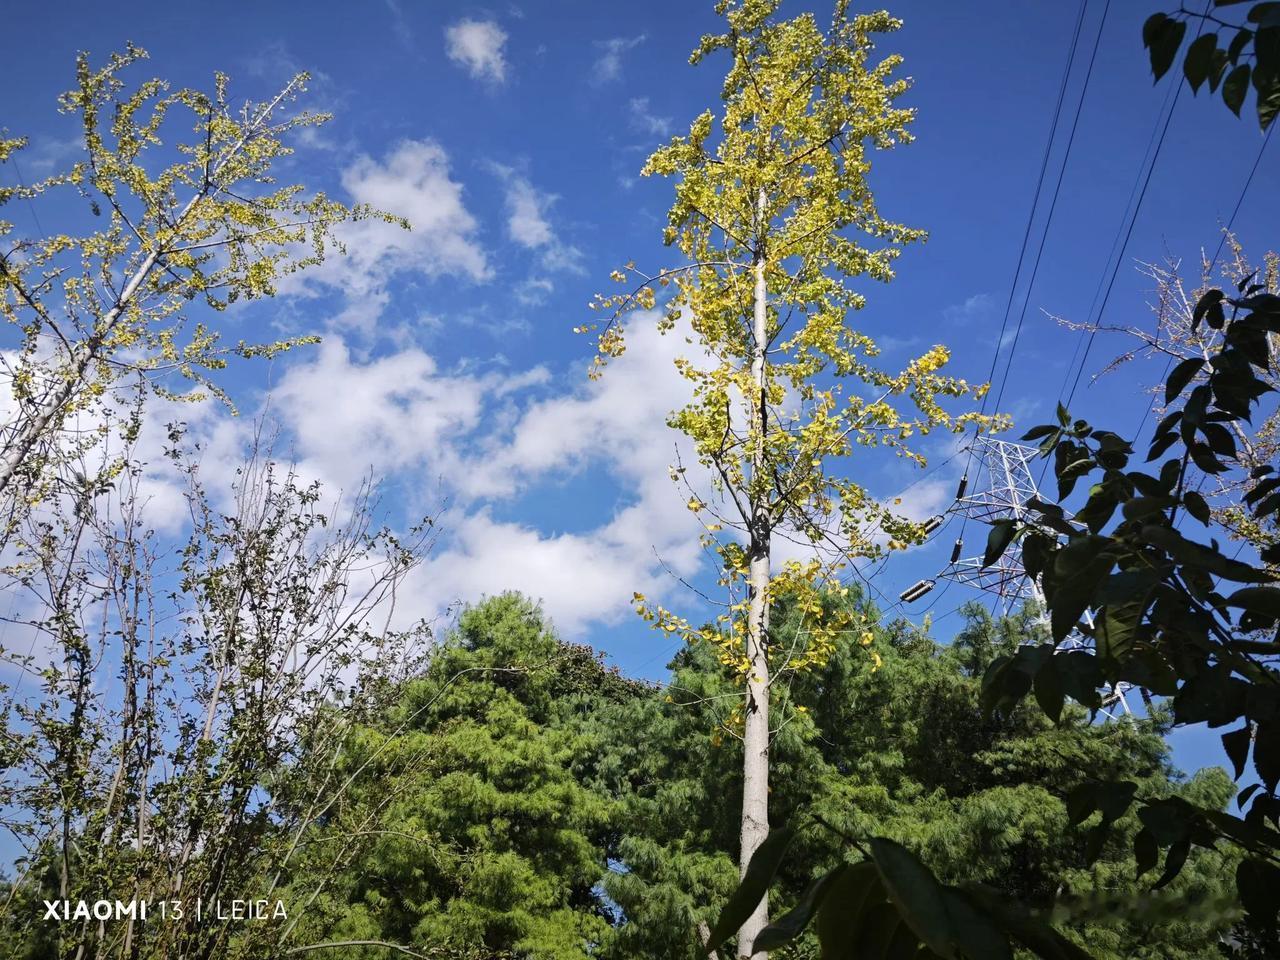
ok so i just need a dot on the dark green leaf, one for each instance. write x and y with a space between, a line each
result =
1266 754
973 932
1237 45
1040 432
1199 59
998 540
919 896
1163 45
1258 883
1197 506
852 907
1173 862
1235 87
1262 601
1243 797
1236 743
1207 300
1082 801
791 924
1032 932
1049 690
1146 852
755 884
1213 696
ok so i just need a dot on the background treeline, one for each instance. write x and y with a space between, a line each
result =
527 801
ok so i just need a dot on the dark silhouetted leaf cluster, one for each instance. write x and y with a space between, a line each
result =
1233 56
1166 607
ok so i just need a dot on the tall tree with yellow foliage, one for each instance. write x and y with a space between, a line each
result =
775 216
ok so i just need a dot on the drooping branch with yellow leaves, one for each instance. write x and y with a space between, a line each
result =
199 220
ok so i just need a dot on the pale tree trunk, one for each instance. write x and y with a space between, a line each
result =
755 737
31 427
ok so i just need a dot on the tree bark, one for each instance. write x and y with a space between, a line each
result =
755 738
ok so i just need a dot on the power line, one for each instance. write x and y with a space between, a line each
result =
1031 214
1035 199
1057 189
1164 130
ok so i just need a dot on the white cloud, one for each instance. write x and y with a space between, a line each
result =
528 225
616 424
644 120
395 413
413 181
534 291
608 66
977 307
478 46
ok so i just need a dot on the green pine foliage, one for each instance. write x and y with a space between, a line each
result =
490 838
537 805
905 752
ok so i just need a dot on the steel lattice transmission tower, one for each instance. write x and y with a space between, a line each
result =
1002 487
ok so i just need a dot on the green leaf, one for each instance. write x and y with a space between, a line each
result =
918 894
1181 375
1236 743
1163 44
1146 852
791 924
760 871
1049 690
1235 87
1268 97
1038 433
1199 59
998 540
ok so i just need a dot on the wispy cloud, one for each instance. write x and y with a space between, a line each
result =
478 46
608 66
528 225
980 306
645 120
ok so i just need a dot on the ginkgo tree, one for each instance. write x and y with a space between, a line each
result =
188 214
774 216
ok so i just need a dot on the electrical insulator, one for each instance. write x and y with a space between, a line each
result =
964 485
932 524
916 591
955 551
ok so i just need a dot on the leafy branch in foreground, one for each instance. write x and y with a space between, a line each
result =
1250 58
889 905
1165 610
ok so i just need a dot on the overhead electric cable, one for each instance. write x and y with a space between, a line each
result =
1164 130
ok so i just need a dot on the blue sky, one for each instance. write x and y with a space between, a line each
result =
511 134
